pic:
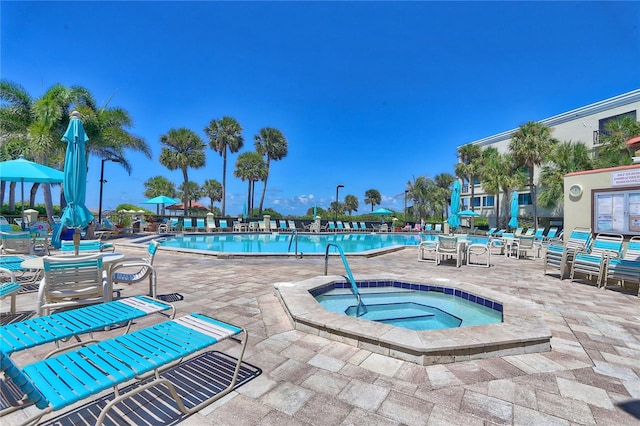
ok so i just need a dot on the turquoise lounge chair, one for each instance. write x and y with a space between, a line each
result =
559 255
9 289
624 269
200 224
592 260
85 372
74 323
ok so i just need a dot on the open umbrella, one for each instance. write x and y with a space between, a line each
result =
382 212
161 199
453 219
76 215
22 171
470 214
513 222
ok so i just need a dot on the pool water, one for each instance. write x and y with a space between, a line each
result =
412 309
282 243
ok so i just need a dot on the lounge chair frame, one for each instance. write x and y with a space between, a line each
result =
87 371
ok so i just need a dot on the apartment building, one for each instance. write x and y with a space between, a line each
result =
584 124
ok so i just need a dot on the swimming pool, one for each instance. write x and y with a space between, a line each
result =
276 243
412 306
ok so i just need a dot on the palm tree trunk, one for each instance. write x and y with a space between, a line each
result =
224 180
473 193
185 193
32 196
264 188
48 201
3 185
249 196
12 196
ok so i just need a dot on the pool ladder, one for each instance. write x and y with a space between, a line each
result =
294 238
354 287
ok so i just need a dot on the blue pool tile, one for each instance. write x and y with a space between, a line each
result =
448 291
472 298
488 303
498 307
458 293
479 300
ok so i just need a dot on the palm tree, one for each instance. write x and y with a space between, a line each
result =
224 134
443 182
418 192
250 166
492 173
182 148
531 146
194 192
615 151
566 157
467 168
351 203
271 143
373 197
159 185
212 189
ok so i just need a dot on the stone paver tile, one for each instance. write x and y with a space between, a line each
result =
527 416
292 371
515 393
469 372
633 388
486 407
340 351
359 373
239 410
287 397
440 376
406 409
622 373
413 373
360 417
585 393
499 368
275 417
382 364
363 395
393 383
298 353
445 416
266 360
534 363
322 409
450 397
325 382
257 387
565 408
326 363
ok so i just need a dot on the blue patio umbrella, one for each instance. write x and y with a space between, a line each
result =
454 219
513 222
161 199
21 170
76 215
382 212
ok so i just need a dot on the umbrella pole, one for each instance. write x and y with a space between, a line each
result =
76 240
22 191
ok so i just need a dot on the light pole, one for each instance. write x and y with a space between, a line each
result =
102 181
337 189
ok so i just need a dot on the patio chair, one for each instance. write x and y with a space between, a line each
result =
200 225
71 282
273 226
16 242
283 225
86 246
292 225
86 372
5 226
9 287
347 227
137 269
384 228
211 225
363 227
560 255
448 248
428 251
437 228
518 231
591 261
107 226
331 226
187 224
626 268
428 227
529 232
524 245
223 225
479 250
175 225
74 323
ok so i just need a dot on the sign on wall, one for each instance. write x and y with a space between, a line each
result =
627 177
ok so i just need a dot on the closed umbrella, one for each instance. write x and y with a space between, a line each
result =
76 215
453 219
513 222
21 170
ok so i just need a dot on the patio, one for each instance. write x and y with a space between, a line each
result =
591 375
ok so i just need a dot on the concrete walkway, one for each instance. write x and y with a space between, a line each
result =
591 375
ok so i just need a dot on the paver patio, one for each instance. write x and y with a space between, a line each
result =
591 375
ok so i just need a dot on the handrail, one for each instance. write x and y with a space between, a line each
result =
294 236
354 287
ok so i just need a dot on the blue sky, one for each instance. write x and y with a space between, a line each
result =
368 94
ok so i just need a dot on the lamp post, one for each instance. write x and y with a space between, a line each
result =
102 181
337 189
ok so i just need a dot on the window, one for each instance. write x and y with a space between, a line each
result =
617 211
603 122
524 199
488 201
477 201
